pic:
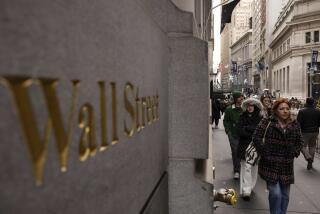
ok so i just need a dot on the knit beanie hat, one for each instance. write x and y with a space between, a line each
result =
236 95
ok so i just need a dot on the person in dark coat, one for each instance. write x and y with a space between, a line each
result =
247 124
215 109
230 121
283 142
309 119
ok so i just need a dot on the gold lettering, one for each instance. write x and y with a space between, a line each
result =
149 109
143 108
38 147
130 109
115 138
62 138
138 103
153 110
103 109
87 144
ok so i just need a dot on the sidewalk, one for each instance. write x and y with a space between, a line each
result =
304 196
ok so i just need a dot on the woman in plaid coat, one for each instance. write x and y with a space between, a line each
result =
283 142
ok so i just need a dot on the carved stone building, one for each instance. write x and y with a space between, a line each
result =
102 105
295 36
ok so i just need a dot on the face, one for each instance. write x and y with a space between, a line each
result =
239 101
266 102
283 111
250 108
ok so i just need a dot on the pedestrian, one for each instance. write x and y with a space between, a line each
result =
309 119
247 124
231 118
278 140
215 111
267 104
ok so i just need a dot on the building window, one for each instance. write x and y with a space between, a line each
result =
284 47
308 37
288 43
316 36
281 50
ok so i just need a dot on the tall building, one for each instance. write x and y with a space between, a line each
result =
259 45
240 24
273 9
240 20
225 57
295 37
241 54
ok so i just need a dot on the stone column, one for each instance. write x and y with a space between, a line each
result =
188 117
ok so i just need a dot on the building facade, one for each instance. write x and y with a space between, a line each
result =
225 57
259 43
295 36
240 20
241 55
273 9
94 107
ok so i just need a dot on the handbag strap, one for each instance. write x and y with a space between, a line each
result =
265 132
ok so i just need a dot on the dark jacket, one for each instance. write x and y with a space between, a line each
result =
230 120
278 151
246 126
309 119
215 108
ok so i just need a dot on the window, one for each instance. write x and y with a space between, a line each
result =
288 43
281 50
308 37
284 47
316 36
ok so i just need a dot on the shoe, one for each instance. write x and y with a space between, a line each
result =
246 196
236 176
309 166
216 127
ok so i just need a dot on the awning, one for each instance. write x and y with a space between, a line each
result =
227 12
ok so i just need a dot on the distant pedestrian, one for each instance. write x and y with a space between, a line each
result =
247 124
231 118
267 104
309 119
283 142
215 112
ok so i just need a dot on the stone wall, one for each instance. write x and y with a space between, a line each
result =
94 95
90 41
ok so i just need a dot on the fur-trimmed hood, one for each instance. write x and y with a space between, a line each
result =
252 101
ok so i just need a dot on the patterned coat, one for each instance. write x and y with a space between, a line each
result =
280 148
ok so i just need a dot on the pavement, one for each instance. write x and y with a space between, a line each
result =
304 195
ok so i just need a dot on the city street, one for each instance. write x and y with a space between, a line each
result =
304 196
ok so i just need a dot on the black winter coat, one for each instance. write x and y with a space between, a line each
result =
280 148
309 119
246 126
